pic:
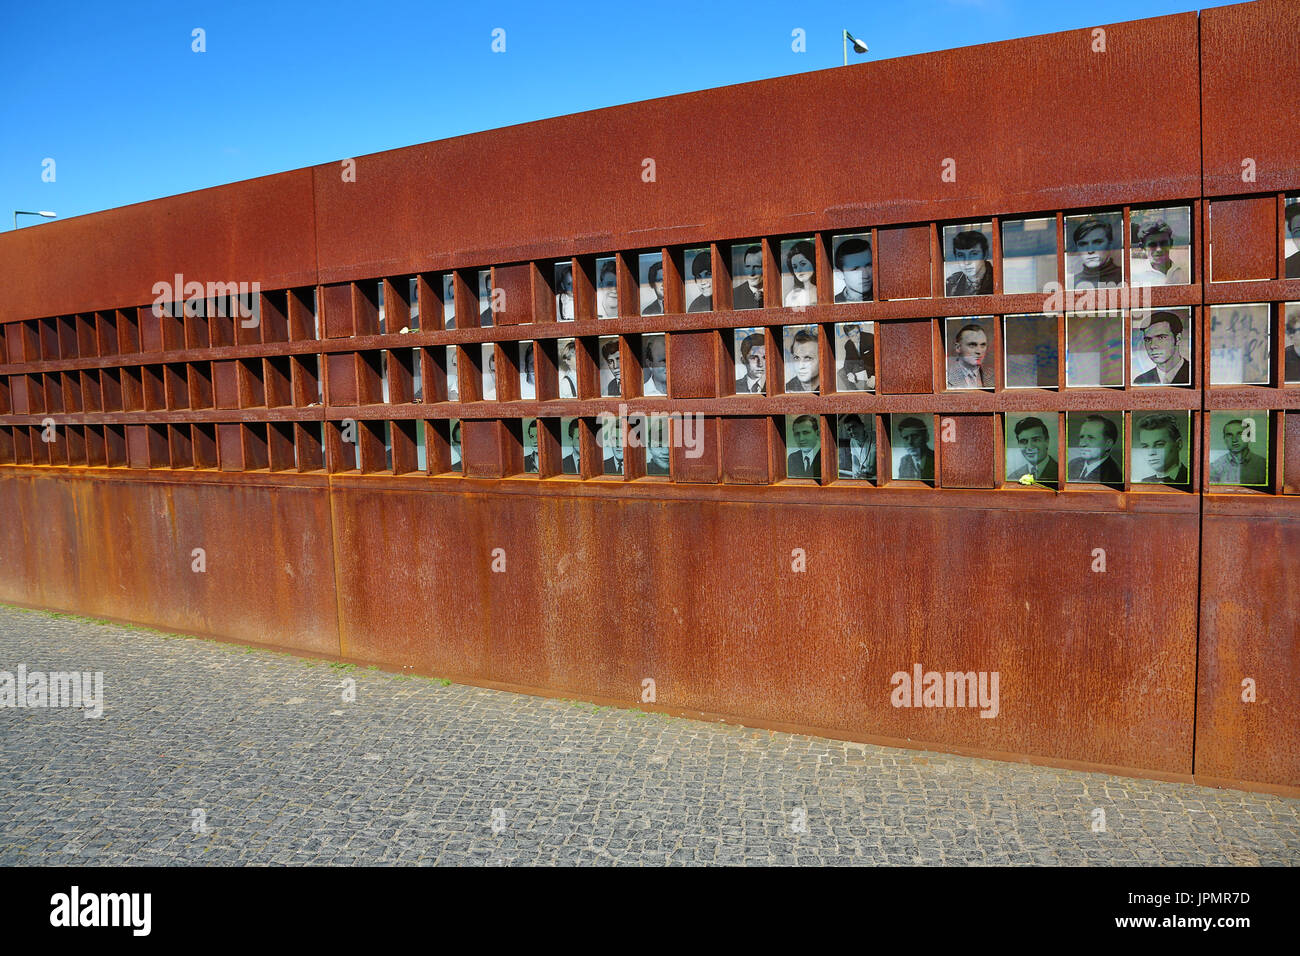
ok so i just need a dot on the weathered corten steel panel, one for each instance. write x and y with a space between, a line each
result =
596 594
1243 239
1250 91
1250 628
123 549
260 230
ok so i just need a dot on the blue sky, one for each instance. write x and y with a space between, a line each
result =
114 94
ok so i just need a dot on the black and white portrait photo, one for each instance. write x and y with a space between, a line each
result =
530 446
1239 448
1031 447
970 352
1162 347
654 367
747 275
699 280
564 291
610 429
606 288
856 443
1093 246
852 261
527 371
1030 351
651 268
454 435
1161 448
798 273
1291 364
611 382
657 447
751 362
968 259
453 389
911 451
803 444
569 446
1028 255
855 357
489 365
485 297
1160 246
1095 447
1292 238
1241 344
567 363
1094 349
448 301
802 365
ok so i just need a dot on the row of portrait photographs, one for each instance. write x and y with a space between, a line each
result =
855 359
609 438
1292 237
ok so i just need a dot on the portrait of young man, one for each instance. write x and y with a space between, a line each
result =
527 372
802 359
448 301
1158 448
748 291
853 269
611 439
1032 446
856 359
974 272
530 446
968 366
857 447
485 298
1240 464
455 444
606 289
489 355
1293 230
453 388
1291 371
1156 239
657 449
752 356
805 461
654 367
568 361
1162 340
564 292
1094 253
609 355
1093 451
701 269
917 459
569 464
654 280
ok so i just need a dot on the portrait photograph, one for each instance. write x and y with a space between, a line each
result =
485 297
654 366
1291 327
567 364
417 376
1240 340
1160 246
969 345
1028 255
453 391
453 434
1094 248
803 447
650 278
750 356
1030 351
611 382
698 280
1291 241
1239 450
564 291
1094 350
855 356
1161 448
1161 346
968 259
855 440
570 451
798 273
609 431
448 301
1031 447
911 447
421 449
802 366
527 371
413 297
851 259
657 446
1095 447
606 288
746 275
529 432
489 366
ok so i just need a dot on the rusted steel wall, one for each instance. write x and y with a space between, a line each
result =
179 433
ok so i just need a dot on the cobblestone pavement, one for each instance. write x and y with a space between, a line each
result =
210 753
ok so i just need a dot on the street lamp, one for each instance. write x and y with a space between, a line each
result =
44 212
858 46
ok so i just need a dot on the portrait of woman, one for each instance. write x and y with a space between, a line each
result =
798 276
564 292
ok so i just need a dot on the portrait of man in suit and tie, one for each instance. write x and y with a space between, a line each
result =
455 444
485 298
527 372
611 441
564 292
572 452
856 438
1159 451
657 449
853 277
747 261
1093 440
801 358
1291 371
751 356
606 289
1293 230
489 355
1163 338
652 282
568 362
1029 452
969 366
968 269
912 454
611 383
448 301
453 388
805 460
1090 259
1237 435
654 369
855 357
699 283
530 446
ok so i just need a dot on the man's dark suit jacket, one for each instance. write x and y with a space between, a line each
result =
612 466
613 388
1292 373
846 462
908 469
1180 478
1152 376
1048 477
1293 266
701 303
794 467
958 284
742 297
742 386
530 462
569 465
654 308
1107 474
794 385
